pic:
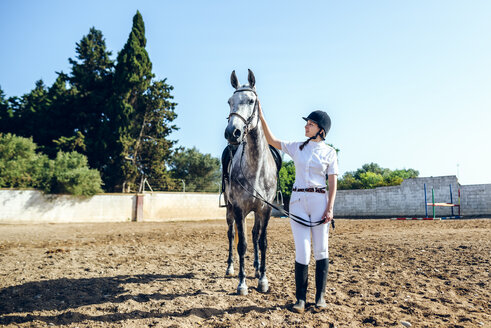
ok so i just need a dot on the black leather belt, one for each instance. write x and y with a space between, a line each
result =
321 190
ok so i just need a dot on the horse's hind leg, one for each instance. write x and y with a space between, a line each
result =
231 235
263 285
255 241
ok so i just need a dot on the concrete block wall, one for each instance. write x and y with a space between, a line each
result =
406 200
476 200
170 206
33 206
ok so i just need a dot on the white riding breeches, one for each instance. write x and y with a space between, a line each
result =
309 206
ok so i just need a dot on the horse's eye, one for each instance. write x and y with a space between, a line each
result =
251 102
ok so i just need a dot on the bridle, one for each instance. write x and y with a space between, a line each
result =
249 120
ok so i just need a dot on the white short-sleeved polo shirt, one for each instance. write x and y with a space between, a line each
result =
312 164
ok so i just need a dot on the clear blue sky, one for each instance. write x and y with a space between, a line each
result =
406 83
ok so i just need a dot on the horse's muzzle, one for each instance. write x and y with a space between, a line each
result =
233 135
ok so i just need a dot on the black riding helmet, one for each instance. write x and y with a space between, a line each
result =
321 118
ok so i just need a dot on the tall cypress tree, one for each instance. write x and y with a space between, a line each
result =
91 79
142 113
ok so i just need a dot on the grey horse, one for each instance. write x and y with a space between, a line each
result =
252 170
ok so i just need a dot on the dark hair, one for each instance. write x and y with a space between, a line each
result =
323 136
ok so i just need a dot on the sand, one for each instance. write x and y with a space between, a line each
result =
382 272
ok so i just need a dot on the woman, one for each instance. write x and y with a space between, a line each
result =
313 161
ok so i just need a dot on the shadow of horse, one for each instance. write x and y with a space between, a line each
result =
68 294
63 294
71 317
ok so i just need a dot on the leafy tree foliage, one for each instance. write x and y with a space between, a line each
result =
22 167
287 179
113 112
91 79
373 176
143 111
71 175
200 172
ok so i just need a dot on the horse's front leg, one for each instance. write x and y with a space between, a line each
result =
263 285
231 235
255 241
241 249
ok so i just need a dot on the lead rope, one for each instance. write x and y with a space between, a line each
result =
296 218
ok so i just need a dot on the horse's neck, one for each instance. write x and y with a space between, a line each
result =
256 144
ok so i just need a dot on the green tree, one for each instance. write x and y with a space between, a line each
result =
116 115
22 167
370 180
142 113
200 172
287 179
71 175
29 113
348 181
5 111
91 78
40 114
372 175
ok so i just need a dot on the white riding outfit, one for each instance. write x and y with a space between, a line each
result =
312 165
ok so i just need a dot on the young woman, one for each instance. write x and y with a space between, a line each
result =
314 160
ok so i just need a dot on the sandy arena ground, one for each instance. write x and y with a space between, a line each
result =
382 272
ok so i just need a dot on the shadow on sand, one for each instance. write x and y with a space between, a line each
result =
68 294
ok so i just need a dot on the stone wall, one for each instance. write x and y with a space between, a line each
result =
476 200
406 200
33 206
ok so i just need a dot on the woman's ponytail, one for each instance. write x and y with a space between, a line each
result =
323 136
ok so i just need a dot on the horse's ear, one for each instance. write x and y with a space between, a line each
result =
234 80
252 79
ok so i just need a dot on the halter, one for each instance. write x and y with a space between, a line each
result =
249 120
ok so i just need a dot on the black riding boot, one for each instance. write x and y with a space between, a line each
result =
301 281
321 269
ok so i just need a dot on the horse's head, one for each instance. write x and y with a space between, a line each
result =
242 109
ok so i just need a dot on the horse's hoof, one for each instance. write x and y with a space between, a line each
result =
263 285
242 291
230 272
299 307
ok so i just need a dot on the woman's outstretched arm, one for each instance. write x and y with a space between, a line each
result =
267 132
